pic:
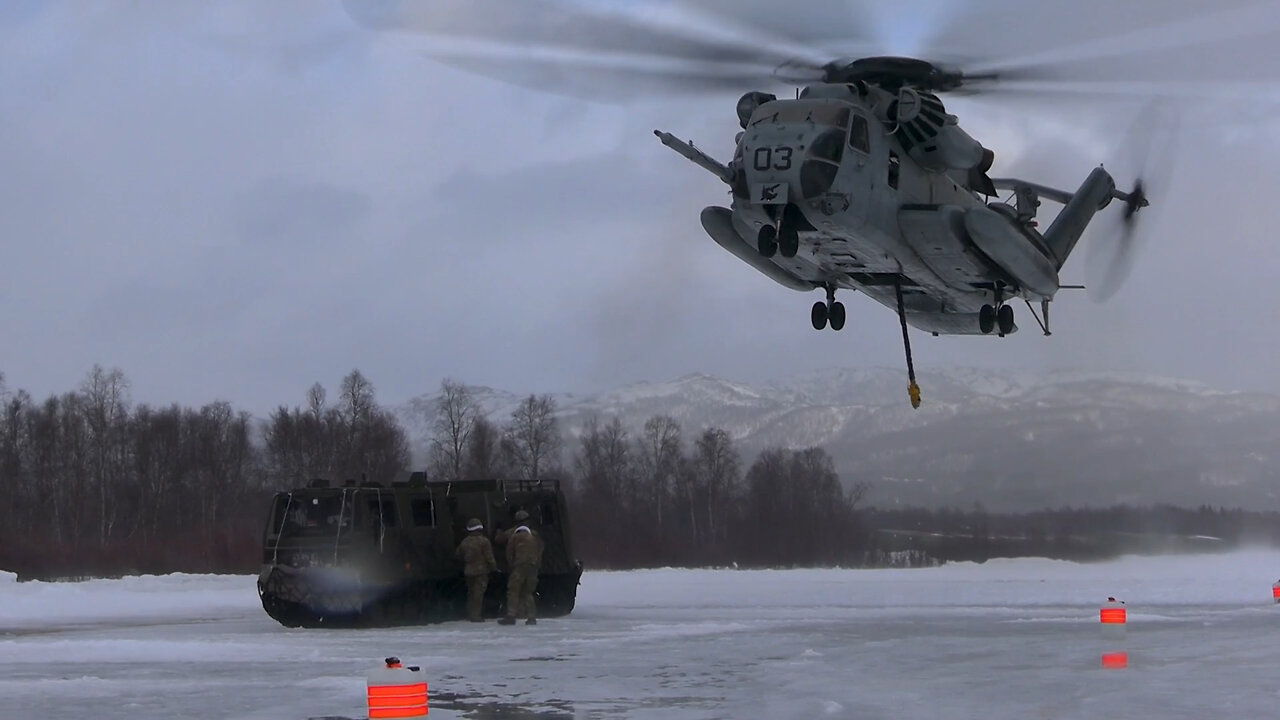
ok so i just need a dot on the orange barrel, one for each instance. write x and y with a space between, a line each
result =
1112 613
1115 660
1275 592
396 692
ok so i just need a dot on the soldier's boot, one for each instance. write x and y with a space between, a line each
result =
531 621
508 620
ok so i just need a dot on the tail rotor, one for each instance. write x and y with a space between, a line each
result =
1149 151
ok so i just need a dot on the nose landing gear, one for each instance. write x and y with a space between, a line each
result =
767 240
782 237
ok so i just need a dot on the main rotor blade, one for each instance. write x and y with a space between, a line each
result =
625 48
824 29
1165 50
616 78
581 50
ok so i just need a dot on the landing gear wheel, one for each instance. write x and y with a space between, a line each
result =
836 313
766 241
1004 318
987 319
819 315
788 240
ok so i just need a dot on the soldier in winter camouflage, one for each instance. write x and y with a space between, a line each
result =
524 558
476 553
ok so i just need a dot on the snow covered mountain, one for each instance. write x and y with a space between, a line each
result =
1012 441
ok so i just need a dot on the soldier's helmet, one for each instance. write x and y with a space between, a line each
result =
474 525
521 516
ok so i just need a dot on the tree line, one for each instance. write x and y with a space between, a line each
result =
92 484
657 496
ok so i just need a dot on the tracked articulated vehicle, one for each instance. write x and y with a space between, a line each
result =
369 555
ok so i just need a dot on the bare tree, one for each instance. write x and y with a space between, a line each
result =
386 448
455 418
356 404
315 400
357 398
106 396
768 504
687 487
658 460
605 468
533 436
13 442
717 470
302 445
485 458
858 493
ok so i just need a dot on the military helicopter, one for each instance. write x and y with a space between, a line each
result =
865 182
861 181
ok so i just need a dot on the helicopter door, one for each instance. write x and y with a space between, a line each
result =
858 166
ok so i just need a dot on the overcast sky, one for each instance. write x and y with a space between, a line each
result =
233 200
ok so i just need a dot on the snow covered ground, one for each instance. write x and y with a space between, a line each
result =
1005 639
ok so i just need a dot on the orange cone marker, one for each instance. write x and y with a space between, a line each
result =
1115 660
396 692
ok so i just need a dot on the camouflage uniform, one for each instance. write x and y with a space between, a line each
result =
477 554
524 557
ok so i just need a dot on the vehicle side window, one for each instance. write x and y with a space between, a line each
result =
386 508
858 134
424 512
277 515
893 170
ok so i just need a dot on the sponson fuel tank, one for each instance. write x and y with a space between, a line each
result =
1013 250
718 222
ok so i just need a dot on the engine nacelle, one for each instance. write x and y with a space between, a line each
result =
952 149
931 136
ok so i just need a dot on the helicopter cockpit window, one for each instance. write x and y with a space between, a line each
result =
828 146
858 134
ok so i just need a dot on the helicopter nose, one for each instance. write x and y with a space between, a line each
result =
808 161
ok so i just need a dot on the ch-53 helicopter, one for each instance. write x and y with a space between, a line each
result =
865 182
861 181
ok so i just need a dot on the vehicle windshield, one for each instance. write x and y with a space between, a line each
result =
311 516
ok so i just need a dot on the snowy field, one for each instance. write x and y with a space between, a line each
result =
1004 639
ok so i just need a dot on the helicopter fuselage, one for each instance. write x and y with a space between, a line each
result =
861 188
